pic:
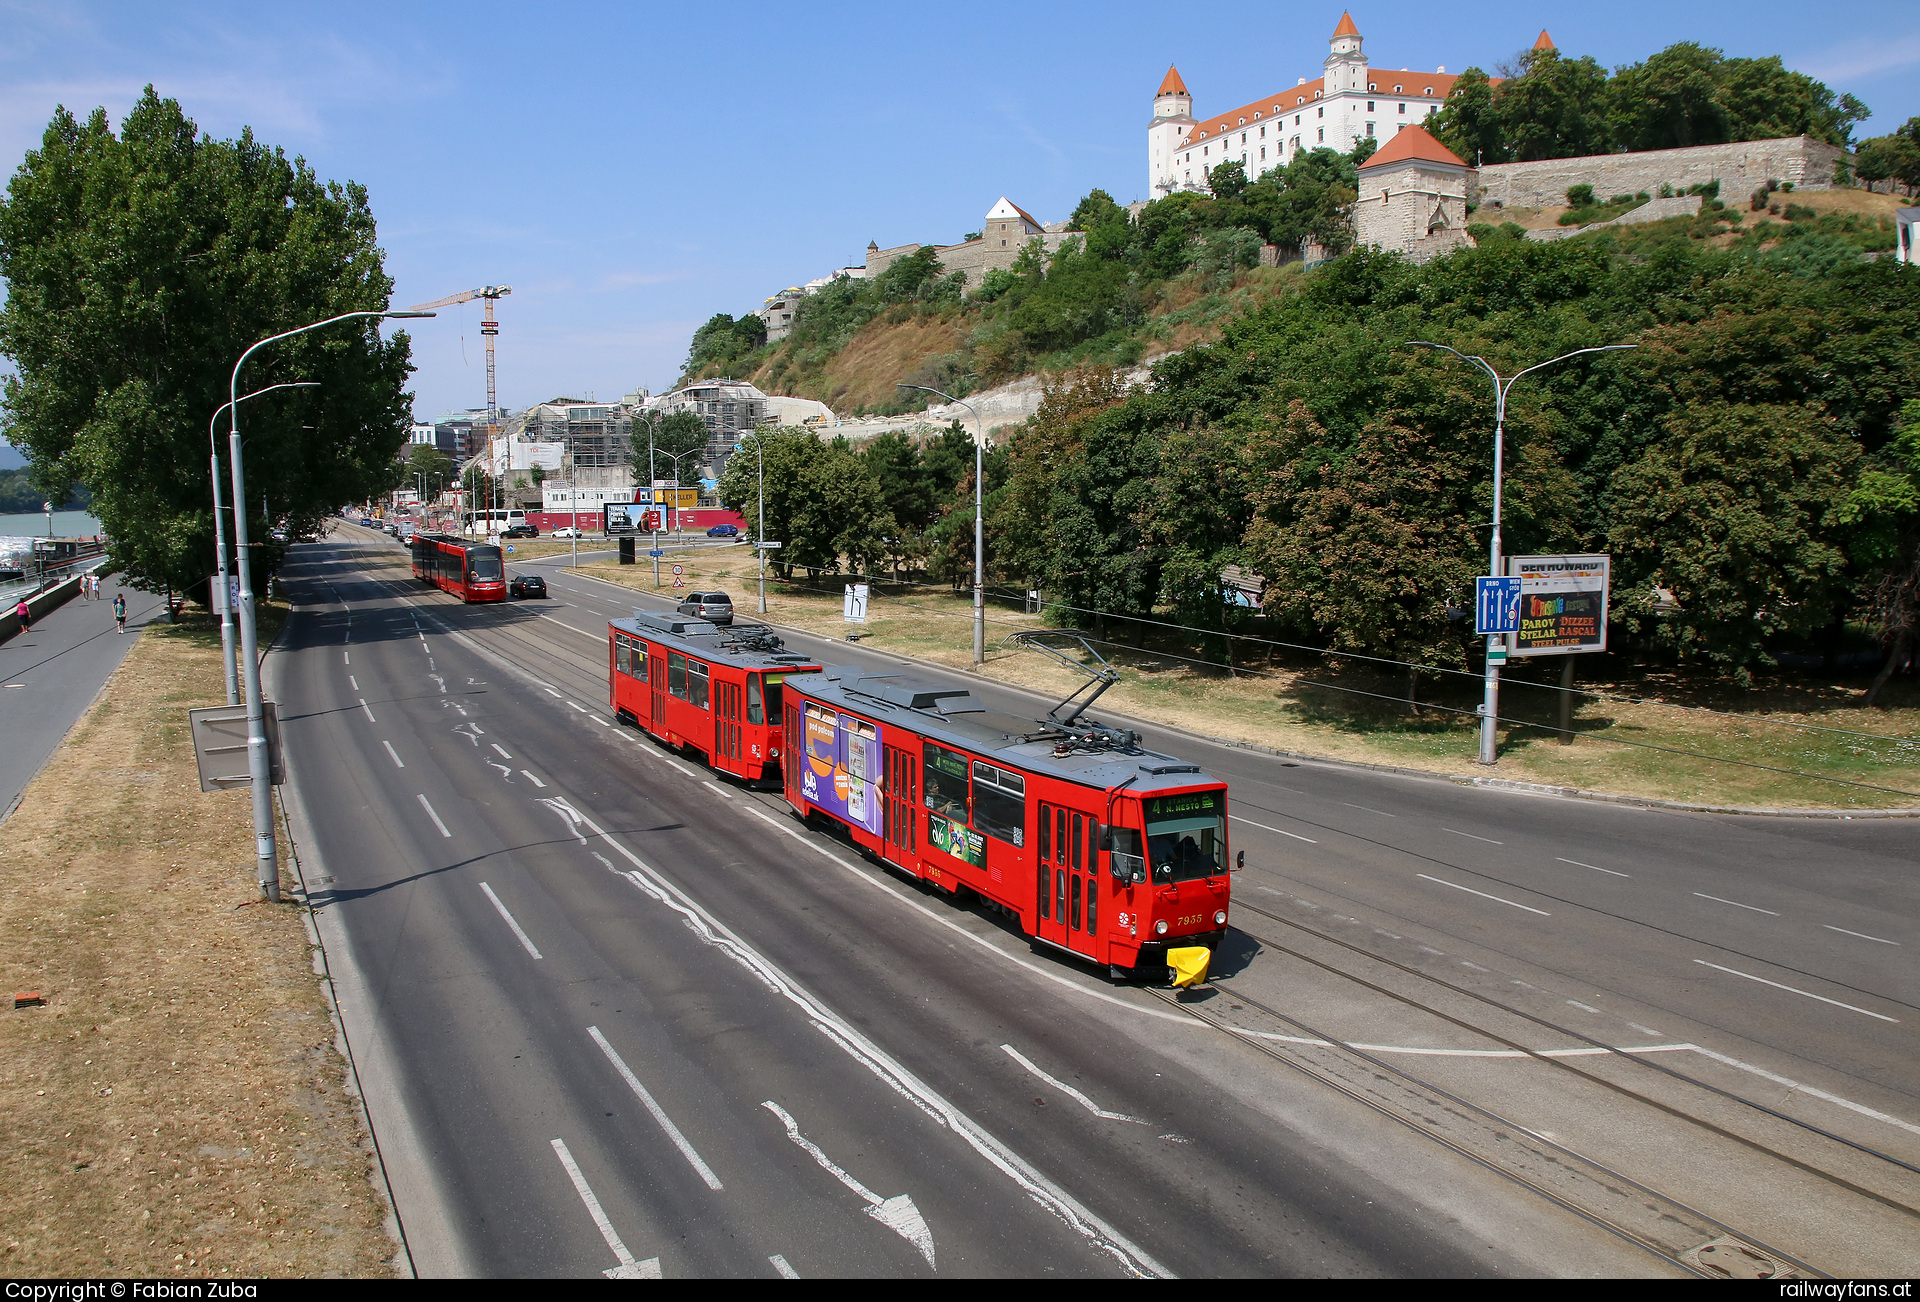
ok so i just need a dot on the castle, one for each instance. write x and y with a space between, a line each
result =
1349 102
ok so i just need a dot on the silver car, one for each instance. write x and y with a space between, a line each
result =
715 607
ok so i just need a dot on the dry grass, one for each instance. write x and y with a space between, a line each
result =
177 1107
1826 201
1317 709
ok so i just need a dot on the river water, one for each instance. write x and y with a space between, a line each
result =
33 524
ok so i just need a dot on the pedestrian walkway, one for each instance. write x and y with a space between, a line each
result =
48 678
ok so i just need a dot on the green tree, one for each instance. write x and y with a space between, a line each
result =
681 434
1671 101
822 500
139 267
1468 123
724 343
1740 513
435 466
1227 180
1882 517
1557 108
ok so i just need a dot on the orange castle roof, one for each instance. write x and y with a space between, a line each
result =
1171 83
1296 99
1412 144
1346 27
1545 42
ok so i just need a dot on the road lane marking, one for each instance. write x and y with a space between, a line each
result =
550 692
1597 868
397 761
856 1045
346 658
780 1264
1861 934
694 1159
1583 1007
1483 895
1809 994
628 1267
435 817
363 705
583 709
597 637
712 786
503 751
683 768
536 781
602 722
1737 904
1263 827
524 938
1471 837
896 1213
355 682
1069 1090
1808 1090
1383 813
572 816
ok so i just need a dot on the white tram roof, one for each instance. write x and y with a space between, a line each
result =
955 717
751 646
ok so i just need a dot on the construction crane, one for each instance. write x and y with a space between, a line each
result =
487 294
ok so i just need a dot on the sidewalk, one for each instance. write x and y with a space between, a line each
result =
48 678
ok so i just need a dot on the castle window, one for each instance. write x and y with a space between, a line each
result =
1241 122
1263 153
1369 130
1323 135
1427 91
1296 119
1369 103
1243 137
1316 94
1396 90
1299 99
1323 111
1256 117
1263 133
1385 195
1403 110
1371 86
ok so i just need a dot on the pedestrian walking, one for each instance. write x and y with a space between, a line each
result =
25 614
120 612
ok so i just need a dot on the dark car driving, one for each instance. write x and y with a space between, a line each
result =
714 607
520 531
527 585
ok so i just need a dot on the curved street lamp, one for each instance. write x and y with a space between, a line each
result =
1490 704
220 536
259 765
979 532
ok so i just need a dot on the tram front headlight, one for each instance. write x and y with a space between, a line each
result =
1219 917
1160 927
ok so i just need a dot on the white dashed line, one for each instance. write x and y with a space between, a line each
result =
1793 990
370 718
1483 895
1471 837
524 938
397 761
503 752
1363 809
1737 904
628 1267
721 790
1861 934
694 1160
1597 868
435 817
536 781
1264 828
780 1264
583 709
353 682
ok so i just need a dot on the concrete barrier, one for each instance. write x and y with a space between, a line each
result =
58 595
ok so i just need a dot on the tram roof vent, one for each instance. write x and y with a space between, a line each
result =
660 623
915 694
1159 767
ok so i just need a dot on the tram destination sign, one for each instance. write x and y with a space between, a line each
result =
1563 604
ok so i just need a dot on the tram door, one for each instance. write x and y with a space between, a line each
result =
902 821
657 684
1067 881
726 721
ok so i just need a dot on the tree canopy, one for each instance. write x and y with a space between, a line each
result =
139 266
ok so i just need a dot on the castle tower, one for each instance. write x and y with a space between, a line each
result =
1346 66
1166 132
1545 42
1413 197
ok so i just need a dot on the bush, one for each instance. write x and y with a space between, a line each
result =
1579 196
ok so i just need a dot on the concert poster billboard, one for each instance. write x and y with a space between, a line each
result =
1563 604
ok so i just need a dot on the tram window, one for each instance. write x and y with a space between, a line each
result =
1073 918
1046 889
1079 844
1128 863
1000 803
773 694
1093 903
755 711
677 674
1046 835
1059 836
947 783
1186 835
483 565
697 683
637 659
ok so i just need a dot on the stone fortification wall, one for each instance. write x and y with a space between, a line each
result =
974 258
1740 168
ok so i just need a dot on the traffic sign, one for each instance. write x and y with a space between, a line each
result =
770 546
656 553
679 582
679 569
1496 605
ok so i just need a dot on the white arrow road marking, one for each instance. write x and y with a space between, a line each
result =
473 736
506 771
571 815
628 1267
1069 1090
666 1123
443 683
896 1213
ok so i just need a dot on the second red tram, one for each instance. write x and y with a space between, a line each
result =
1100 848
471 571
695 684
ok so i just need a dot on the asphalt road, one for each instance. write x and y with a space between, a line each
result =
614 1015
49 677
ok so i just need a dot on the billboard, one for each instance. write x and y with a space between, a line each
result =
1563 604
623 519
840 771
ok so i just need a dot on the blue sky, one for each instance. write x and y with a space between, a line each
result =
632 169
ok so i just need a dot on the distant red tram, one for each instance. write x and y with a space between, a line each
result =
1099 847
692 683
471 571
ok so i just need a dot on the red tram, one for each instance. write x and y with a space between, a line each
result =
692 683
471 571
1099 847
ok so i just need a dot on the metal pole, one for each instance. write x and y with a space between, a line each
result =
259 764
759 451
1490 701
979 525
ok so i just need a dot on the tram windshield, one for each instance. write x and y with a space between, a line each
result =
1186 835
483 565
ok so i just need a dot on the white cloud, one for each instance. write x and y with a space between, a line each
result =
1863 59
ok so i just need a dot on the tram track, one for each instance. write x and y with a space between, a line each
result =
1658 1222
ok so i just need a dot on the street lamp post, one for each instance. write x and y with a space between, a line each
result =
979 529
1490 701
760 498
220 537
259 767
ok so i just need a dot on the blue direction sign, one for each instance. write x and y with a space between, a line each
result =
1496 605
656 553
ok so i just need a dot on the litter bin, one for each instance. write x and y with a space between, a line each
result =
626 551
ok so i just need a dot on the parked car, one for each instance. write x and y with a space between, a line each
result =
724 531
715 607
567 532
527 585
519 531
